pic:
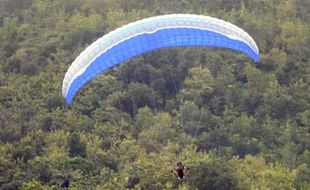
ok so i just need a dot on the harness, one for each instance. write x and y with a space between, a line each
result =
180 172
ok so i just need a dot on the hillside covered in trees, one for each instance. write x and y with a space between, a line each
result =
236 124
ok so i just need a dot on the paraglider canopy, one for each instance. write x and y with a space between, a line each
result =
145 35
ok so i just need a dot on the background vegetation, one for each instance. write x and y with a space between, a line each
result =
236 124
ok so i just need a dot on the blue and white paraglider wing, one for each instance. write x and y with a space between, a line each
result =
149 34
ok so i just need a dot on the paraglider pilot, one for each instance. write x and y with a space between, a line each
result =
181 171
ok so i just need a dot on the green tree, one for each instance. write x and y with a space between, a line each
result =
76 148
197 85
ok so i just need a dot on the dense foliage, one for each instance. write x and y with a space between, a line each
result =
236 124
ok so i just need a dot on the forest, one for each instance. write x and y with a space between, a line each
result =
238 125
